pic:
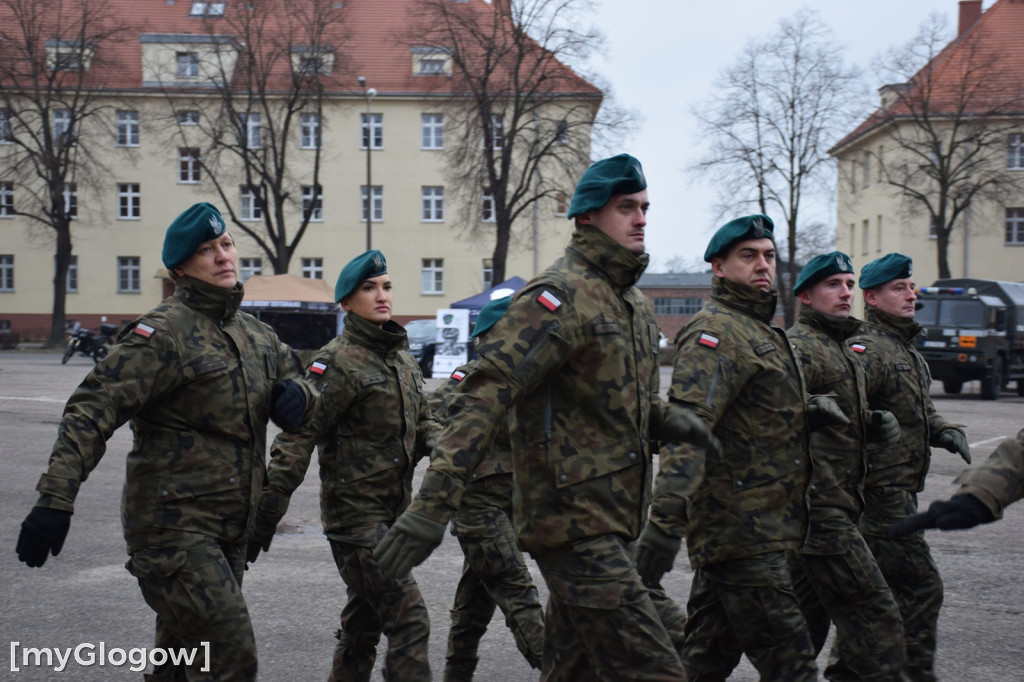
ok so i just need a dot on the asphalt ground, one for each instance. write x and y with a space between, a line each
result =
84 598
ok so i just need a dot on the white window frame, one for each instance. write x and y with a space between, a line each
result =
375 128
318 202
7 272
432 202
129 275
487 212
249 207
1015 151
562 204
6 199
497 140
71 281
432 131
127 129
247 267
62 127
129 201
186 65
250 126
377 204
313 268
310 131
1014 235
487 273
189 168
6 127
188 117
432 276
71 199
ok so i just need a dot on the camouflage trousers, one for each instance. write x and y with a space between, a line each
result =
494 575
195 588
378 605
838 581
747 606
912 576
601 622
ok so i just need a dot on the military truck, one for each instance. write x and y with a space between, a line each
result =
975 331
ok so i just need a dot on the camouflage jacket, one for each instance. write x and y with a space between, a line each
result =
736 369
830 367
897 380
575 359
498 460
999 480
194 377
371 427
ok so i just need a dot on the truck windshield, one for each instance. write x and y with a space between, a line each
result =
962 314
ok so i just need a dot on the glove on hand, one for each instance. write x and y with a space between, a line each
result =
407 543
680 425
42 533
885 427
655 553
823 411
954 440
960 512
262 535
287 404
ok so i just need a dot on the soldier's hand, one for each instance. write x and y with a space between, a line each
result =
655 553
823 411
958 513
407 543
262 535
885 428
954 440
42 533
287 404
680 425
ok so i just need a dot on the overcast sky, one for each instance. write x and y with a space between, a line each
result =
662 57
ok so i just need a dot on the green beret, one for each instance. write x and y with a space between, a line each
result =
197 224
620 174
820 267
748 227
881 270
490 314
361 268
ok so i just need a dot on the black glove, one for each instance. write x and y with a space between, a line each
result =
42 533
885 427
823 411
954 440
957 513
655 553
287 404
407 543
262 535
680 425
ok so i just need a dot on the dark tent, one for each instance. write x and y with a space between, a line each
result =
475 303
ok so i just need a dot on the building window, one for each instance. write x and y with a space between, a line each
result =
866 170
6 199
865 237
881 165
6 272
432 276
561 204
689 305
62 130
6 129
129 201
250 207
310 129
878 234
432 66
853 237
432 127
187 64
313 202
933 228
1015 226
378 203
373 126
487 208
208 9
188 164
247 267
71 282
129 275
187 117
853 176
128 128
1015 151
433 204
496 139
488 273
71 199
313 268
249 130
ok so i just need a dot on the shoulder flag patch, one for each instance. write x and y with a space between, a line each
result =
858 347
549 301
144 330
708 340
318 368
458 375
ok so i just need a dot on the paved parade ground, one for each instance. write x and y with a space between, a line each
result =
85 599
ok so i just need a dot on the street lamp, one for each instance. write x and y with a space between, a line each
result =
369 94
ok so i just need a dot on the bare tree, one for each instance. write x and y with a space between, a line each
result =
523 119
947 127
271 63
53 59
769 126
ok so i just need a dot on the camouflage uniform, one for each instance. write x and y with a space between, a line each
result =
898 380
999 481
194 377
575 356
743 510
371 427
838 575
494 572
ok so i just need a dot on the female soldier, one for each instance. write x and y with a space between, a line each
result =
195 376
372 426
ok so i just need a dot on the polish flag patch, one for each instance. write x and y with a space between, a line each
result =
144 330
458 375
318 368
549 301
858 347
708 340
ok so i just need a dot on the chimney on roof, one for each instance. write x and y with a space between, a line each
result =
970 12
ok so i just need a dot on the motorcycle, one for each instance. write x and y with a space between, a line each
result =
90 345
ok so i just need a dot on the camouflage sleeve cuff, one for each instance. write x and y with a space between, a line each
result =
438 498
56 492
669 515
273 505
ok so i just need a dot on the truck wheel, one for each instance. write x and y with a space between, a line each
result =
993 382
952 386
69 350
